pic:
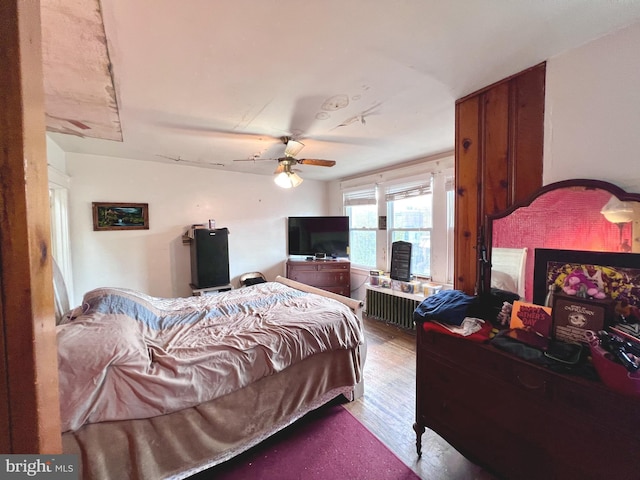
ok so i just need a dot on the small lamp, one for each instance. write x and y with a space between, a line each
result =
617 211
620 213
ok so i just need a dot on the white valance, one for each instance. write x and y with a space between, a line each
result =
407 189
361 196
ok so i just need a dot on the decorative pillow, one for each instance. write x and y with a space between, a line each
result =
253 281
503 281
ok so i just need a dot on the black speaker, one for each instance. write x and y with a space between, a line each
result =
401 261
209 257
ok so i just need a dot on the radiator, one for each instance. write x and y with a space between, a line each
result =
384 305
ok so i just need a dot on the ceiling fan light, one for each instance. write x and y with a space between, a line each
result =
293 148
295 179
282 180
287 180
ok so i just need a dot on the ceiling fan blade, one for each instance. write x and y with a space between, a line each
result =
256 159
293 147
317 162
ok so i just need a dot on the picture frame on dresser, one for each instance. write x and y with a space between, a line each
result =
620 272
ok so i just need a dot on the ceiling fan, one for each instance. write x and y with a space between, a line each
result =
286 177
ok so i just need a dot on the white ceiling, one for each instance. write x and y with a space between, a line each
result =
368 83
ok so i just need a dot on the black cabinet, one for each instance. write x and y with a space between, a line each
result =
210 257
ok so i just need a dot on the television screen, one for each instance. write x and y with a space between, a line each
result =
313 235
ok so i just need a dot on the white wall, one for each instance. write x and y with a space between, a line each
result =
155 261
592 112
56 158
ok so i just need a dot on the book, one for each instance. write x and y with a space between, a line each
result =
530 316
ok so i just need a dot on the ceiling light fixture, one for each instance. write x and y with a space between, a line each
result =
287 178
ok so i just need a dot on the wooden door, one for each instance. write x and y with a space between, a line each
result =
29 406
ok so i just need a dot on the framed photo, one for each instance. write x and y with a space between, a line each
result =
573 317
616 274
120 216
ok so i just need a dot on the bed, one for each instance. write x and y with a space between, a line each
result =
157 388
508 269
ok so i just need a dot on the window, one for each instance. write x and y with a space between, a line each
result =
419 209
409 218
361 207
60 240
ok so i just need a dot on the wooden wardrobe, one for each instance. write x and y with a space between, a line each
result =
498 160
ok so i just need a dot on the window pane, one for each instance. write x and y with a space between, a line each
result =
412 212
363 248
410 221
420 249
362 237
363 216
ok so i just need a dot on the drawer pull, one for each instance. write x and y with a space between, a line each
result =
530 386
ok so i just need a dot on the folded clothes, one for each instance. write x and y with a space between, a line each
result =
446 306
469 326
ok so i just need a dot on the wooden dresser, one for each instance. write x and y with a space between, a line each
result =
520 420
331 275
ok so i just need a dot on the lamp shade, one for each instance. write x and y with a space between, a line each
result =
288 179
617 211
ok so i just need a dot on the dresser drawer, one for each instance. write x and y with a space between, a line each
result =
344 291
320 279
474 357
332 266
331 275
302 267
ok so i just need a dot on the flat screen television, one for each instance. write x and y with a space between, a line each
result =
310 236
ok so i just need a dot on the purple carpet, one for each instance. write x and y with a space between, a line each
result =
326 444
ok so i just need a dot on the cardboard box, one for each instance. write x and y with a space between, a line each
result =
429 289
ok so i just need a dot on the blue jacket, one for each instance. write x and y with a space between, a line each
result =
446 306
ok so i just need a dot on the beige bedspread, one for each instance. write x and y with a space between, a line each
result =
182 443
128 355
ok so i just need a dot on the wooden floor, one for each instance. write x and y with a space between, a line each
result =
388 406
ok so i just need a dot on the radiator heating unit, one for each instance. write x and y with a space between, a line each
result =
395 309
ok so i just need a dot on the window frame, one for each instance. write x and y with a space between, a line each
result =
441 174
396 191
359 197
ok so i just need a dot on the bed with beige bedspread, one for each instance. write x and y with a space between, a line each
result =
163 388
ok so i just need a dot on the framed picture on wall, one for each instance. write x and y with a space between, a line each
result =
120 216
